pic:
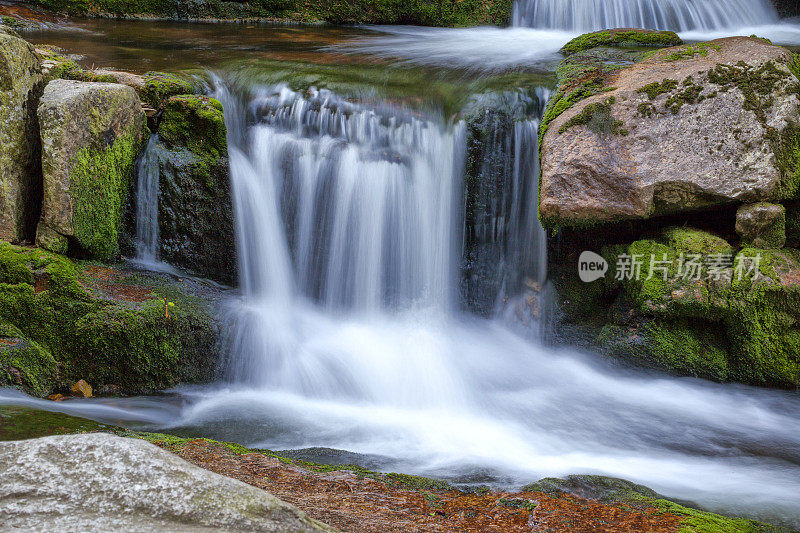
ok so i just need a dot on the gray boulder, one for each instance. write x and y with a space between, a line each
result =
91 136
762 225
21 83
689 127
101 482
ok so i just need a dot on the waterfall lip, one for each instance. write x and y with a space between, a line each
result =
483 49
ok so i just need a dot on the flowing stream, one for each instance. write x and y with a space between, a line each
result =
676 15
355 241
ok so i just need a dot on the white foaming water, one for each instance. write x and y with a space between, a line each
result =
346 336
343 205
339 342
675 15
542 27
485 48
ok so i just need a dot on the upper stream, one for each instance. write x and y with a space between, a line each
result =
354 327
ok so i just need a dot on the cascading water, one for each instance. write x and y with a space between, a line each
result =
505 260
343 205
345 335
675 15
147 204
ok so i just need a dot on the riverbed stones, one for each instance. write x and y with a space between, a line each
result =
686 128
762 225
21 83
91 135
101 482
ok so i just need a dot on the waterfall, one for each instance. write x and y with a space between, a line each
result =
147 204
505 259
348 207
676 15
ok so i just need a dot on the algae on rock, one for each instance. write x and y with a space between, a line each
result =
91 136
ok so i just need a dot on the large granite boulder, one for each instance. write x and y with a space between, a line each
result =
21 84
91 136
101 482
685 128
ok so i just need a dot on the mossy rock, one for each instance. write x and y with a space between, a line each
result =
21 85
197 123
91 134
705 310
676 346
622 38
694 519
160 86
24 363
110 328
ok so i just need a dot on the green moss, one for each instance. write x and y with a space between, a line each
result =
418 483
517 503
417 12
100 179
160 86
677 346
63 65
87 75
696 241
688 52
647 38
14 265
197 123
132 345
24 363
597 117
696 521
655 89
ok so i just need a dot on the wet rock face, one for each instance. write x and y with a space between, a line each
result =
762 225
21 83
91 135
195 207
689 127
102 482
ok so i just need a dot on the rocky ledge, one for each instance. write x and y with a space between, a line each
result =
121 330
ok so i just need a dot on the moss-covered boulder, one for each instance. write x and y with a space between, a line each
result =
91 136
24 363
21 84
688 302
686 128
158 87
630 37
762 225
62 321
196 222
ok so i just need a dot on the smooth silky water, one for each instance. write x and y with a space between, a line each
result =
350 330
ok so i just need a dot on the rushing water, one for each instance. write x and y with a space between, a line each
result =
676 15
147 204
348 333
